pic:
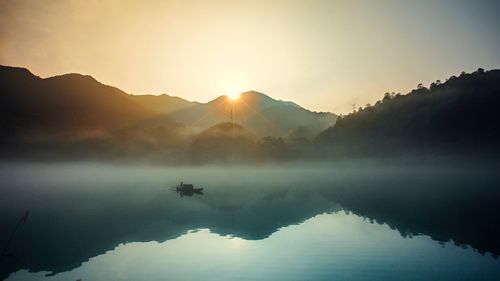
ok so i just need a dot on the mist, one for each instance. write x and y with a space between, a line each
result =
232 172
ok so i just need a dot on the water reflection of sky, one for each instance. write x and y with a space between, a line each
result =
81 215
335 246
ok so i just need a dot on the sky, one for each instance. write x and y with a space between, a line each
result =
323 55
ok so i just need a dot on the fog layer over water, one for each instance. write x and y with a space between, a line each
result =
101 222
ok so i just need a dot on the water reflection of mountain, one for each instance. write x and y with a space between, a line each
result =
450 206
71 221
61 237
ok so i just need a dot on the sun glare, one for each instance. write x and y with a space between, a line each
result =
234 97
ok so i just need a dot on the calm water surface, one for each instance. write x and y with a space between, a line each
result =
337 222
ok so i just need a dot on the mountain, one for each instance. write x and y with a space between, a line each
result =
75 116
164 104
257 112
66 103
458 117
231 143
224 142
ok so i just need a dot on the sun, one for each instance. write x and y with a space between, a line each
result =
234 97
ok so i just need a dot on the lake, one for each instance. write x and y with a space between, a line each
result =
343 221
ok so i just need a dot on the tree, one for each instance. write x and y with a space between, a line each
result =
435 84
387 96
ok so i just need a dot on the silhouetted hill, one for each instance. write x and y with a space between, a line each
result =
259 113
75 116
66 103
224 142
456 117
163 103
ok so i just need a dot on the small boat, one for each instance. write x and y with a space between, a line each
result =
188 189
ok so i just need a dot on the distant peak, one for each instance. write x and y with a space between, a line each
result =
259 98
75 78
255 94
78 76
245 94
18 71
222 98
252 92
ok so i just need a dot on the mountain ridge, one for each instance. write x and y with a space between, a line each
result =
163 103
256 111
259 112
454 117
77 113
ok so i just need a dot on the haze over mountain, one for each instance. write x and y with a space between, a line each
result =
76 116
75 102
225 142
163 103
259 113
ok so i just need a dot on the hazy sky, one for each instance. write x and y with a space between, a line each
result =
324 55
